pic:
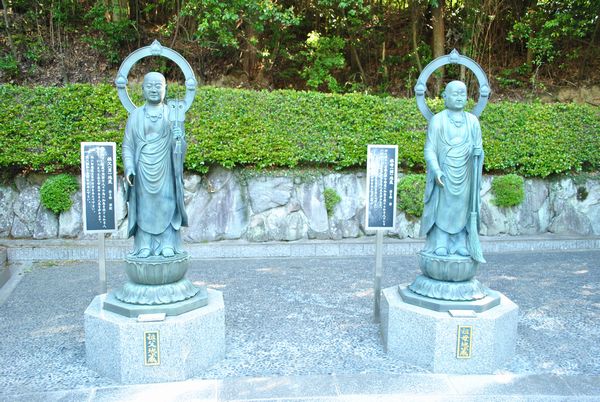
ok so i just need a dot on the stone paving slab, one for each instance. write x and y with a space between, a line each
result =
358 387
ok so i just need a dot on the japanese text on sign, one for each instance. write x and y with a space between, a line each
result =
382 170
98 177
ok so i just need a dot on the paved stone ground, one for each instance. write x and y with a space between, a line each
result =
296 318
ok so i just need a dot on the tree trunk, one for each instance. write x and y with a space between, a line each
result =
11 44
133 10
121 12
439 39
583 67
414 8
359 65
249 54
384 69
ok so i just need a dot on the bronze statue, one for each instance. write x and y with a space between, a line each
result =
451 216
454 156
153 151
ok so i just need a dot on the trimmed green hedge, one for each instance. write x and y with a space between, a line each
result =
41 128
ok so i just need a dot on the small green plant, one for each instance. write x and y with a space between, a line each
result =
331 200
582 193
508 190
56 192
410 194
9 66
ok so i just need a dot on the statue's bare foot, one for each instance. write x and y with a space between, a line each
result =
462 251
168 252
441 251
145 252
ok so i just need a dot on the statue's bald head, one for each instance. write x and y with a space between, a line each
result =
154 87
455 95
155 76
454 85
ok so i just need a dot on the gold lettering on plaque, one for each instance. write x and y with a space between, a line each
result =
151 348
464 342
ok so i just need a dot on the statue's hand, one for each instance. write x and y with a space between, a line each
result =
477 151
439 179
129 177
177 132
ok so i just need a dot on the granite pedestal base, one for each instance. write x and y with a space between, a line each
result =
178 348
442 343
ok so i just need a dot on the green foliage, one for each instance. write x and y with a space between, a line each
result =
508 190
411 189
106 36
41 129
56 192
547 27
9 66
230 24
323 56
535 139
332 198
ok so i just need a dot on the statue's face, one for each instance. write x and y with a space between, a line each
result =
154 87
455 95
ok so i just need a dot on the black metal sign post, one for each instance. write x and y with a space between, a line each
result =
98 192
382 170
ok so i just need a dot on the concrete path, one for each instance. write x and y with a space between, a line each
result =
300 328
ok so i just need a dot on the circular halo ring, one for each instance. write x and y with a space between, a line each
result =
155 49
453 58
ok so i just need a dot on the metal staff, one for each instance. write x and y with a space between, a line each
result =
474 244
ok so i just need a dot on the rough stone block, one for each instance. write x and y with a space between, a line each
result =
188 344
429 339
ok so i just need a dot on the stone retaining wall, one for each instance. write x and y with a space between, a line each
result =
231 204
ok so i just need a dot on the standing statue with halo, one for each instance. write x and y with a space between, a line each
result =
450 222
446 321
154 149
159 327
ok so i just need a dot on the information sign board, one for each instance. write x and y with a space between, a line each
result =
99 186
382 170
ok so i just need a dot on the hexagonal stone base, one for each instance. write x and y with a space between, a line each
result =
178 348
442 343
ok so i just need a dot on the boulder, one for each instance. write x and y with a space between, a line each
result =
310 197
217 211
25 209
7 198
70 223
191 185
277 224
406 226
345 219
46 224
269 192
535 211
569 213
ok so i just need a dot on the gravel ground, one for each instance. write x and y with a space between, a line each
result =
287 317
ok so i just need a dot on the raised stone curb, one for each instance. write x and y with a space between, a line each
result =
4 272
81 250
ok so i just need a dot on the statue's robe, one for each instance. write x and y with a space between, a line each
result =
449 207
156 199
